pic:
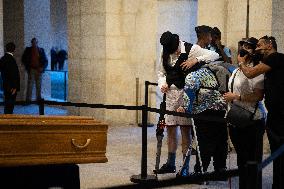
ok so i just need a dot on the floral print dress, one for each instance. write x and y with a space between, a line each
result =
201 92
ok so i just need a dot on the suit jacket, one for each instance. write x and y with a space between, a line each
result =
9 72
27 57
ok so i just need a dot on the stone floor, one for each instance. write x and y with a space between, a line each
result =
124 157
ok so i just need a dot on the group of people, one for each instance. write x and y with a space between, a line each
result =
34 60
58 58
188 78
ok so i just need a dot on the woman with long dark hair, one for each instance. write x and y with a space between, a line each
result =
171 79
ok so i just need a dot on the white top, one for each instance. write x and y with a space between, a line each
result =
243 85
196 52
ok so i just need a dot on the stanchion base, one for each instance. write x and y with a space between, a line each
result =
139 179
148 124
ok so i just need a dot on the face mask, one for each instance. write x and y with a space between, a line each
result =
243 52
257 56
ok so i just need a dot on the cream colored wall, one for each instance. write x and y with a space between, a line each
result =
87 54
214 14
131 28
260 19
277 23
111 43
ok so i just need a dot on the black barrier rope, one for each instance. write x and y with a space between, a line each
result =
86 105
144 179
154 110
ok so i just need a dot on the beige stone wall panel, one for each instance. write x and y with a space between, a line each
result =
131 51
73 22
113 6
74 48
73 8
113 24
260 15
218 11
277 23
87 46
93 6
93 24
93 47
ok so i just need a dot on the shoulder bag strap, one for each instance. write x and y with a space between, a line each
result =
232 84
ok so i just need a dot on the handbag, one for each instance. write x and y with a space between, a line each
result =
238 116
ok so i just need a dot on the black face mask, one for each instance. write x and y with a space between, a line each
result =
257 56
243 52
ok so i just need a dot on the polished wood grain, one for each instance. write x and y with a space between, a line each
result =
36 140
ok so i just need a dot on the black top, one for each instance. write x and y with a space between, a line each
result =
274 82
9 72
174 74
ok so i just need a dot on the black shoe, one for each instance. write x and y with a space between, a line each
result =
194 175
166 168
220 175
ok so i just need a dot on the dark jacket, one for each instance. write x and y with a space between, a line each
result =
27 57
9 72
175 75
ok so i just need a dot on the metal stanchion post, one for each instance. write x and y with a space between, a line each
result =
65 85
253 178
41 106
137 100
147 83
144 177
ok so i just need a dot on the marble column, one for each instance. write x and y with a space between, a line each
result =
87 54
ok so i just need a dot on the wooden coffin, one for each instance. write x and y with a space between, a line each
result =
40 140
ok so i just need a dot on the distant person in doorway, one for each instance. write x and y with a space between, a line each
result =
61 57
11 78
35 61
53 58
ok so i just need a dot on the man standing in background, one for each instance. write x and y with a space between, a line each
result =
11 78
35 61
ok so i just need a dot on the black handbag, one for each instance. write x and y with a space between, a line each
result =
238 116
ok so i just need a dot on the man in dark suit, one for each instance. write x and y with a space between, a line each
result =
35 61
11 78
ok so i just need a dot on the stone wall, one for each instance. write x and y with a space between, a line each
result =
131 28
87 54
277 23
